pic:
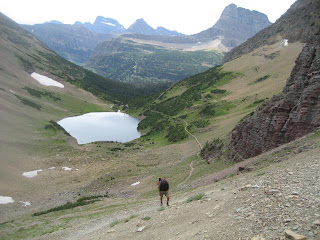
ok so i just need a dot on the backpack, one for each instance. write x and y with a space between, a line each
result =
164 186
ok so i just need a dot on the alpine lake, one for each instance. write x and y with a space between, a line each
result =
102 126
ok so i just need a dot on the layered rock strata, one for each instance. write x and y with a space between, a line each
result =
286 117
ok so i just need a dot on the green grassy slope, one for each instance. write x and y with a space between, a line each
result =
130 61
217 98
34 56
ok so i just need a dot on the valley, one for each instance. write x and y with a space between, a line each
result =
107 189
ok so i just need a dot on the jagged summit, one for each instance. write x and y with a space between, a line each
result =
104 25
235 26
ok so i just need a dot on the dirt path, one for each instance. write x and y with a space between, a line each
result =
255 205
191 167
190 174
192 134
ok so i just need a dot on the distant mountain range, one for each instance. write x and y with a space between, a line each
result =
86 45
76 42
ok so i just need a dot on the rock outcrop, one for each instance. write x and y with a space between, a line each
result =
299 23
288 116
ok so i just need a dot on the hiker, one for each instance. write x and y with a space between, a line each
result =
164 190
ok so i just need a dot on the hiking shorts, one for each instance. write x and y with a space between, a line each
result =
166 193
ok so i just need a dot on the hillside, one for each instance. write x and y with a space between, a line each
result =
126 60
72 42
218 98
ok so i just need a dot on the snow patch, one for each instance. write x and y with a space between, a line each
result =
12 91
66 168
110 24
286 42
6 200
26 204
46 81
31 174
134 184
51 168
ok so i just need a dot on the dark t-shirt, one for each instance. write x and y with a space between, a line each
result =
164 185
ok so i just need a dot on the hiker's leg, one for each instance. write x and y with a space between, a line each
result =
161 195
168 198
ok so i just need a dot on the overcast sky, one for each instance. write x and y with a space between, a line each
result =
185 16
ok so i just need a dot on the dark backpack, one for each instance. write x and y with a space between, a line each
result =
164 186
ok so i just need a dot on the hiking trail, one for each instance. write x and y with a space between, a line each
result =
200 146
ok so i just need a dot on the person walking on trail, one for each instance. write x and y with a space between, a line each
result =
164 190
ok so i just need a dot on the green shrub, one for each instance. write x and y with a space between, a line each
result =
209 110
262 78
202 123
195 197
218 91
176 133
39 94
214 148
146 218
29 103
115 222
69 205
131 217
52 125
160 209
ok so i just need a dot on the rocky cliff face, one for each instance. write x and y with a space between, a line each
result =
235 25
290 115
299 23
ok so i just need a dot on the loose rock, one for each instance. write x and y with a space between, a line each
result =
294 236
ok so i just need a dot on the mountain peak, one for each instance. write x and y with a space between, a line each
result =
141 27
55 22
104 25
235 26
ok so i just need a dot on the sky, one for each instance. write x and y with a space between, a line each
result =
185 16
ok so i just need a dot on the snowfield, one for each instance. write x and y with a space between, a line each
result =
5 200
110 24
134 184
31 174
46 81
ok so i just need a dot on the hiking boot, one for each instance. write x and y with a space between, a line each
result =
168 204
